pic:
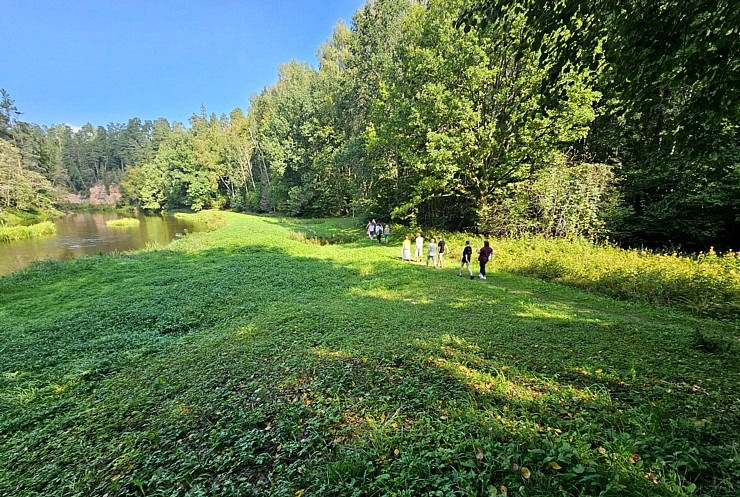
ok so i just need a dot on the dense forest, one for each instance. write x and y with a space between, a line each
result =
617 118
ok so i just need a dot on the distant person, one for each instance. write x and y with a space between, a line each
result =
432 253
379 231
419 248
466 256
371 229
386 233
406 249
485 254
442 249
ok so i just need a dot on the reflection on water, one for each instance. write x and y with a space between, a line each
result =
79 235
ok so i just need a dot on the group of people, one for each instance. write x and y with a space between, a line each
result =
376 230
436 251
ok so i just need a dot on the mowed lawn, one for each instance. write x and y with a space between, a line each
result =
248 361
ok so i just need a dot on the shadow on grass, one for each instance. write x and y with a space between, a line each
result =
251 370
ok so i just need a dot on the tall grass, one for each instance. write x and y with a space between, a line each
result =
207 220
704 284
46 228
126 222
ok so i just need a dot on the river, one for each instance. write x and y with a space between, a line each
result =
83 234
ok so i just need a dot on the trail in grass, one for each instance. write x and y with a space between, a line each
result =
243 361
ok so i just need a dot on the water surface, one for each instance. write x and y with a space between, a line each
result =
79 235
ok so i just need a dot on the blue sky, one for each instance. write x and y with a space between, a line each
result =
105 61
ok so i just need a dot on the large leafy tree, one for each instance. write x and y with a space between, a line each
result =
466 118
672 91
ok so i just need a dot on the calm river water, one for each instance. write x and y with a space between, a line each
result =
79 235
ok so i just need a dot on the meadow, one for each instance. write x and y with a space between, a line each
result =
282 357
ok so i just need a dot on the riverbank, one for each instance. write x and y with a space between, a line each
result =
246 361
45 228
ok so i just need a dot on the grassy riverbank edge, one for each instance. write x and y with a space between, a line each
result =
244 361
45 228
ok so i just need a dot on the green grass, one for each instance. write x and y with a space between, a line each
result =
245 362
45 228
126 222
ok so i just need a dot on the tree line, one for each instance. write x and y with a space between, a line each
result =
618 118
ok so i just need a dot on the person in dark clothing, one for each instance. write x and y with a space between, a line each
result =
484 255
466 256
443 249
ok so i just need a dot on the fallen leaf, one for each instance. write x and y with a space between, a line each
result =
526 473
555 465
479 454
634 458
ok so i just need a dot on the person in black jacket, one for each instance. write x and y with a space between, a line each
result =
466 255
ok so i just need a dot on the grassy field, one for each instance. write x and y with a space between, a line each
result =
256 359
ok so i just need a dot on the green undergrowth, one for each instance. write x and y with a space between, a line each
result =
45 228
242 361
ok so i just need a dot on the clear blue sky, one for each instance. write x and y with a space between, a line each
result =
103 61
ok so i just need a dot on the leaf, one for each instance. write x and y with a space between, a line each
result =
634 458
504 490
479 454
526 473
555 465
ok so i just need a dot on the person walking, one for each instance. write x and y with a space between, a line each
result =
485 254
386 233
406 249
466 256
442 248
432 253
419 248
379 232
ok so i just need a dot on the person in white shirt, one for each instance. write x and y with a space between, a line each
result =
419 247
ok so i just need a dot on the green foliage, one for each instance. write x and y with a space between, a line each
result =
126 222
10 233
21 189
561 118
239 361
562 200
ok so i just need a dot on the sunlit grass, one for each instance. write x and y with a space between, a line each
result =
126 222
46 228
244 361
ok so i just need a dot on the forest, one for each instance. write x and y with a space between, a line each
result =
612 118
